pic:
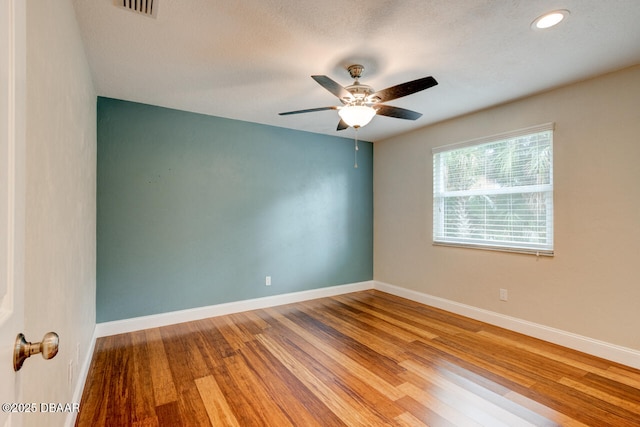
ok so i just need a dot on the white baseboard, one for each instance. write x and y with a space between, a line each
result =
70 421
615 353
164 319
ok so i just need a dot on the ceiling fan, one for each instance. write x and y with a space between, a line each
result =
360 102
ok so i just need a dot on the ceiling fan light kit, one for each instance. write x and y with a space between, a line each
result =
356 116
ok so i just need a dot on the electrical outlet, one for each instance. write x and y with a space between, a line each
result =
267 281
503 295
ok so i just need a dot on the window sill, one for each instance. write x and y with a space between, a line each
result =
527 251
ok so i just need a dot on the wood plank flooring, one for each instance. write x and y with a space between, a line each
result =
361 359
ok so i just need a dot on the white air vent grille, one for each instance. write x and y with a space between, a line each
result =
143 7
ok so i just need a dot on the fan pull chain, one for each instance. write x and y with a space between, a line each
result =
355 152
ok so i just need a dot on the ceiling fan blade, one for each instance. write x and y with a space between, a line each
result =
397 112
404 89
342 125
310 110
333 87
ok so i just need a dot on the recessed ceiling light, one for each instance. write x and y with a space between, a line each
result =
550 19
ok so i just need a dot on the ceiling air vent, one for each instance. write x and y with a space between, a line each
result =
144 7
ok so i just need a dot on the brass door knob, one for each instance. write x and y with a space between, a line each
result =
48 347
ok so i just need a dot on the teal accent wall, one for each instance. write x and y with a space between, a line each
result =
195 210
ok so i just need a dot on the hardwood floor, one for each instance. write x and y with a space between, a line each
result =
361 359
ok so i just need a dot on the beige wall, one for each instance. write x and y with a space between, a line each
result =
60 255
592 285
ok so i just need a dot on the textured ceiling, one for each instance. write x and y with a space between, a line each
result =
252 59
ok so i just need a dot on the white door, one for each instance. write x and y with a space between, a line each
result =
12 195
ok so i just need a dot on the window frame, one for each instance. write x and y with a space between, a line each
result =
439 197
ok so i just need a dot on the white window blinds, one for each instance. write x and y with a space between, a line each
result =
496 192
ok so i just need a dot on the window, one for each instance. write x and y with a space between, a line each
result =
496 192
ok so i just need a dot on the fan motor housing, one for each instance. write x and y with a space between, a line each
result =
360 91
